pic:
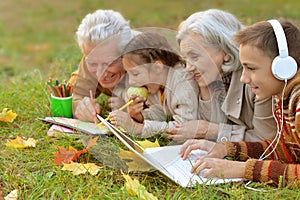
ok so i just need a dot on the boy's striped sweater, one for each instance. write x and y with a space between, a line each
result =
285 160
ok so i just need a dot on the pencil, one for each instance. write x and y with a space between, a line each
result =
65 88
71 90
50 81
49 87
56 88
125 105
121 108
63 91
92 99
68 91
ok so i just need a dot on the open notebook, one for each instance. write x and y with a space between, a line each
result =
77 125
167 160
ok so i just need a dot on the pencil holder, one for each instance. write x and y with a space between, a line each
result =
61 106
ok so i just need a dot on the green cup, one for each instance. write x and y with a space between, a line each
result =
61 106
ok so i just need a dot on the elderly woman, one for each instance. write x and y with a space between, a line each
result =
228 110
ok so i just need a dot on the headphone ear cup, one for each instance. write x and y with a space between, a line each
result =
284 68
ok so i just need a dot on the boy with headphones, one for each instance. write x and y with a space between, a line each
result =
269 53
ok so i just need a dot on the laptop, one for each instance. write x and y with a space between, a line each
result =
167 160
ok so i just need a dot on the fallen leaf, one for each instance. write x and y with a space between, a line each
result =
21 143
92 168
134 188
79 168
7 115
134 162
66 156
148 144
92 141
13 195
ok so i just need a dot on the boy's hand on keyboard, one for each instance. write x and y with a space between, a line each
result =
215 150
219 168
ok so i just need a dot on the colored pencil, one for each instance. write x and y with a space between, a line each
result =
59 90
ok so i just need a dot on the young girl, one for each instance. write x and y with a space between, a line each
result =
151 62
268 160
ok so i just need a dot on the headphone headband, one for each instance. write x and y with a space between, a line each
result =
281 39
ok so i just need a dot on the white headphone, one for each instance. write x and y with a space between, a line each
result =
284 67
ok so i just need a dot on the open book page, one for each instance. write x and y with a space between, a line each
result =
77 125
172 165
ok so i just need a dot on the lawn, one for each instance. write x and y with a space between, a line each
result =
37 41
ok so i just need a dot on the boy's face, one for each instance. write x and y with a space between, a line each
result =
257 73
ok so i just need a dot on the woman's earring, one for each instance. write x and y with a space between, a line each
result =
226 58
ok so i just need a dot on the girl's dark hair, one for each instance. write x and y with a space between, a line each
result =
152 47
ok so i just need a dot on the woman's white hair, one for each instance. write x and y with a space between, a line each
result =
216 27
100 25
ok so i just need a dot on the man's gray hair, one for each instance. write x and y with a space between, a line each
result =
100 25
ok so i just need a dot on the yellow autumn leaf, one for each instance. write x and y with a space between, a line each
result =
72 149
134 188
79 168
148 144
92 168
7 115
21 143
134 162
13 195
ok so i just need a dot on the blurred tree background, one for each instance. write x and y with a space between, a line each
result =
36 34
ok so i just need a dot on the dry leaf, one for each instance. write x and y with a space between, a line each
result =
79 168
134 188
148 144
134 162
13 195
7 115
21 143
92 168
64 156
92 141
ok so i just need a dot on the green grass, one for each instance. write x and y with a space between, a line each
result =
37 41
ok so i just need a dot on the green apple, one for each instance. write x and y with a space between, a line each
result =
141 91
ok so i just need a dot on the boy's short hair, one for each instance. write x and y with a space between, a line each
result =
262 36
